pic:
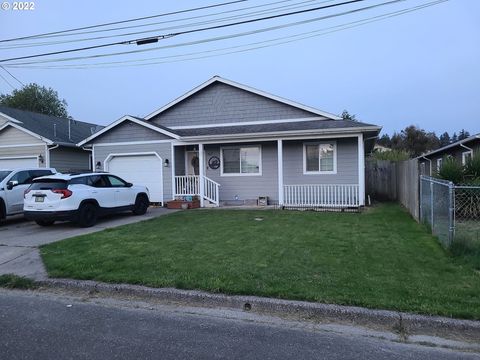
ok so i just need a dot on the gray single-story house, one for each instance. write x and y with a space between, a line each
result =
461 150
228 143
29 139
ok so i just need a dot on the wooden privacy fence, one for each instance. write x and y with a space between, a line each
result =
394 181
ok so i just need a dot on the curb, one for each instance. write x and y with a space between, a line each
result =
403 324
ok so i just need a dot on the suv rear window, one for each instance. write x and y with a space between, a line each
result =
48 184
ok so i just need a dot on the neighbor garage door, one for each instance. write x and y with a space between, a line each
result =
15 163
140 170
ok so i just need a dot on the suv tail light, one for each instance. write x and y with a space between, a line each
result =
26 192
65 192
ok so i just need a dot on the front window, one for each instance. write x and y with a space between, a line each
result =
466 157
4 174
320 158
241 160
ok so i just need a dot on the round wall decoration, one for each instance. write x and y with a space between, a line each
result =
214 162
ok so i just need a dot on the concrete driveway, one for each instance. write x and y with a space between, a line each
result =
19 239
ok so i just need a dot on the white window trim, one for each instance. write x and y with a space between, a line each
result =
439 163
241 174
320 172
464 156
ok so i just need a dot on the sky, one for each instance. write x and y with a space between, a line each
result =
420 68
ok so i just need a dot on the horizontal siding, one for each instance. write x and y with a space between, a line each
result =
247 187
347 164
163 150
23 151
222 103
129 131
12 136
66 159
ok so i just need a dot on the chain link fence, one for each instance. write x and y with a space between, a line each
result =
451 211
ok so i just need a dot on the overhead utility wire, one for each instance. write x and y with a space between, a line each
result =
225 37
123 21
240 16
13 87
9 73
256 45
156 38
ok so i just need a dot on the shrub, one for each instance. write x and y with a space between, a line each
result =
11 281
451 170
472 167
392 155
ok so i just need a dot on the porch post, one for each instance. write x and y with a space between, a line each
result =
361 170
172 165
201 168
280 171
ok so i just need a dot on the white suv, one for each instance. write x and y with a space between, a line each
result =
13 182
82 198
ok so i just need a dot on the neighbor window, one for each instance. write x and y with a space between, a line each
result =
439 164
466 156
320 158
241 160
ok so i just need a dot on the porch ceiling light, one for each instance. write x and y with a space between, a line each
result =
166 163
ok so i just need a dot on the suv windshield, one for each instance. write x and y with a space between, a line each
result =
48 184
4 174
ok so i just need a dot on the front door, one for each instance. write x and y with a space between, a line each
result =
192 163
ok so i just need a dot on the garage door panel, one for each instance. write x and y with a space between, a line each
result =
140 170
16 163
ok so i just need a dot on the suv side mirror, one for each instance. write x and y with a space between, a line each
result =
11 184
128 185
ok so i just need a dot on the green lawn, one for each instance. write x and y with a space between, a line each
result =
380 258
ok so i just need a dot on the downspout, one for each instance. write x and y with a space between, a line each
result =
93 160
48 154
430 161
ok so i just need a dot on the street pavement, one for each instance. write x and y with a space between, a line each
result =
36 325
19 239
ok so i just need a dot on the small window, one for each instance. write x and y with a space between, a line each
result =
82 180
319 158
241 161
439 164
116 181
466 157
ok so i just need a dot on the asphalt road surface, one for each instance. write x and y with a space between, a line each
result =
41 326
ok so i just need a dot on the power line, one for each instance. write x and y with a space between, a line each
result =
159 37
123 21
252 46
13 87
9 73
271 10
225 37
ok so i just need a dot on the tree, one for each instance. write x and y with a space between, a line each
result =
454 137
444 139
36 98
385 140
346 116
463 134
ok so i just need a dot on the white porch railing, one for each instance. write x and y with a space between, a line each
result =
189 185
322 195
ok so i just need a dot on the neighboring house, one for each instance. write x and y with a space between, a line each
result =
381 148
29 139
231 144
461 150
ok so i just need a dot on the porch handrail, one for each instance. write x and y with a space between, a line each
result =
189 185
322 195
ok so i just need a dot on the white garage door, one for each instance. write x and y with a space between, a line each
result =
140 170
15 163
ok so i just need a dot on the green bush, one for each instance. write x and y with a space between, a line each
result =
472 168
392 155
451 170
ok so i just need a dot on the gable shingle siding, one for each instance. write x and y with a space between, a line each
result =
221 103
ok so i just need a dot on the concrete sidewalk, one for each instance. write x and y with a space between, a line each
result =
20 239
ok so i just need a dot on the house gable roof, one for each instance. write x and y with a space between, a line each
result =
452 145
218 79
136 120
51 129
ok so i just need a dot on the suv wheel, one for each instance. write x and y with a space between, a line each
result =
87 215
141 205
45 222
